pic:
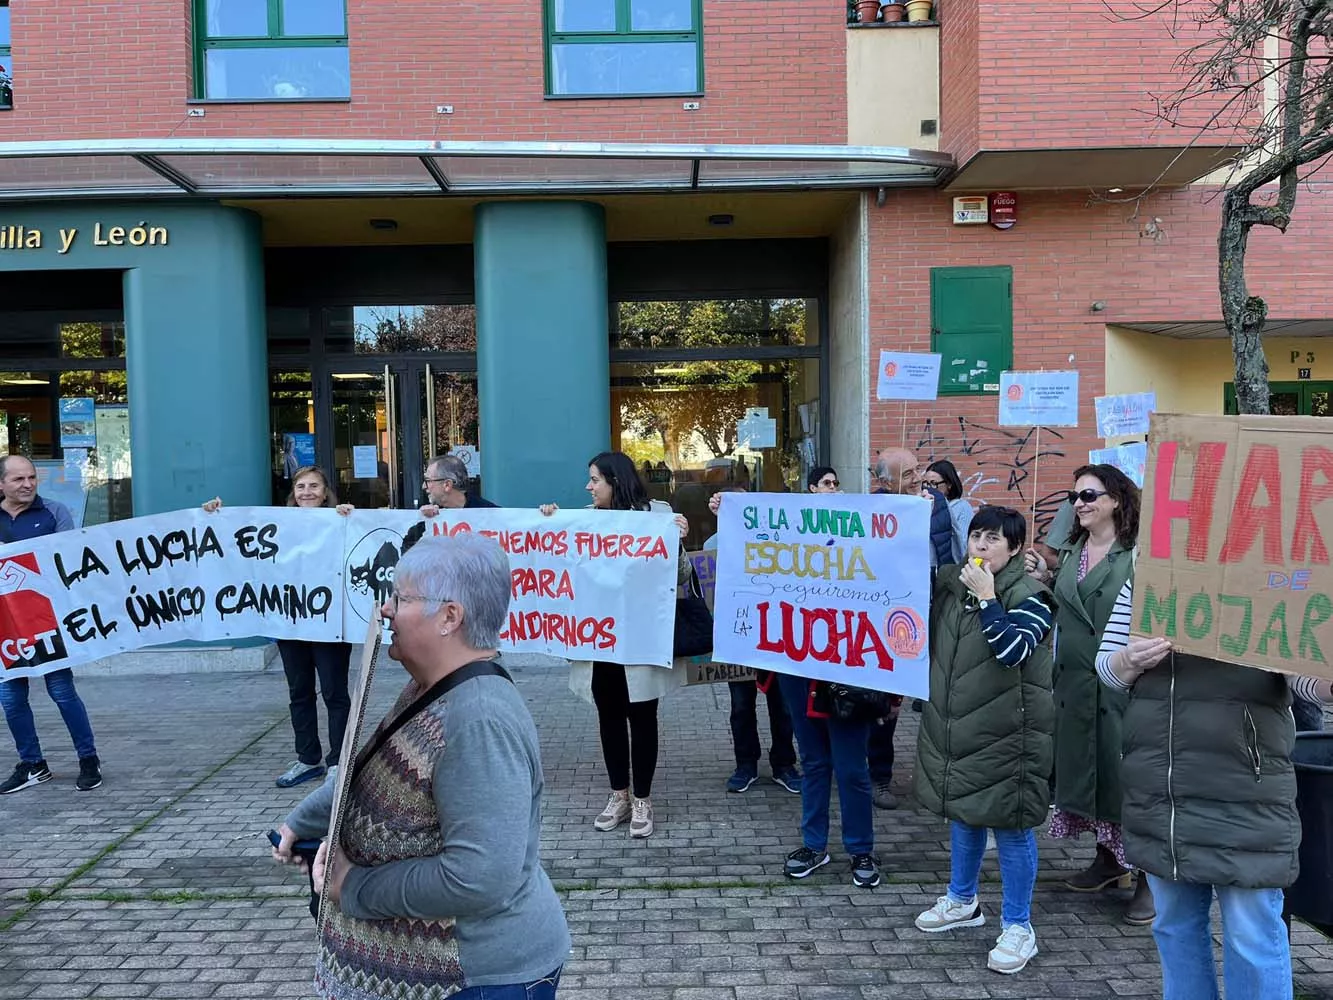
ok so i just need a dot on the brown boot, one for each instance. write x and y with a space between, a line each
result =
1141 909
1104 872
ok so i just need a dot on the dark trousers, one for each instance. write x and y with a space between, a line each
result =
628 729
1309 715
879 749
303 663
745 727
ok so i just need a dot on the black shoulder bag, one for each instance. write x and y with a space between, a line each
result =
694 622
477 668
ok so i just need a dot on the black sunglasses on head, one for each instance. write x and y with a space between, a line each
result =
1087 496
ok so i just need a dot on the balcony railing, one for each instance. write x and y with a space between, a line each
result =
904 13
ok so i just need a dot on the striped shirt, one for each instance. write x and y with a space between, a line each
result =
1013 635
1116 637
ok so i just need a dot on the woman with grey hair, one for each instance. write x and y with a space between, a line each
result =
436 886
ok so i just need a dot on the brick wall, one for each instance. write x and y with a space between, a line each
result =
1055 74
1066 254
121 68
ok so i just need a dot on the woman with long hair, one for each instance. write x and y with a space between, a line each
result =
305 662
1095 563
625 696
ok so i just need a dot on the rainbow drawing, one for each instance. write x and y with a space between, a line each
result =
906 633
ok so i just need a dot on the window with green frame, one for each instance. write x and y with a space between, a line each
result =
271 50
624 48
6 64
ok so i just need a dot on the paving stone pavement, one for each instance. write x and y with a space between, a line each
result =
159 883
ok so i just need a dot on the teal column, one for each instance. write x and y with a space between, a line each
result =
196 358
543 368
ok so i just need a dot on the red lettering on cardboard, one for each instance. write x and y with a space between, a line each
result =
1248 521
1307 542
1197 510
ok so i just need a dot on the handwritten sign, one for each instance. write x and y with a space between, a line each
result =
1131 459
1233 556
832 587
584 584
1125 414
1031 399
908 376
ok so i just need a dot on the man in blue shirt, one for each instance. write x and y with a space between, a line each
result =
25 514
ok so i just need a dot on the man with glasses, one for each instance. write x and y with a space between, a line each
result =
446 483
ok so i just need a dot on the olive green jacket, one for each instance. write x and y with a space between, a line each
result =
1210 790
984 749
1087 713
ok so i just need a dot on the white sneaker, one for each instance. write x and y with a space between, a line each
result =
642 823
615 813
946 915
1013 950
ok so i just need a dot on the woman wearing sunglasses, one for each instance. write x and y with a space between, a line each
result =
823 479
1095 562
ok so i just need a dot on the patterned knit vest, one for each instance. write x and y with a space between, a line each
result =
391 816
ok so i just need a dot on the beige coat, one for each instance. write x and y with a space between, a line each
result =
645 681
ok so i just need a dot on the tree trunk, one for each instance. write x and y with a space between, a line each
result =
1243 314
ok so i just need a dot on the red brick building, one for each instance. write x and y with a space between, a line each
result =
366 232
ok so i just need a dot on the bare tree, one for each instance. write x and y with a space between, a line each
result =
1264 77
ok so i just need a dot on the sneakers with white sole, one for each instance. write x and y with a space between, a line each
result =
25 776
1014 948
948 913
616 812
641 818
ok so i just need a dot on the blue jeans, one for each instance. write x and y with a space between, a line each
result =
745 727
60 686
1256 955
830 749
1018 868
538 989
879 749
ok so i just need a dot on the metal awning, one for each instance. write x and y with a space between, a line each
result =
266 168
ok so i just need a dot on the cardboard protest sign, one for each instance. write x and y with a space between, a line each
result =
833 587
1032 399
585 584
1233 560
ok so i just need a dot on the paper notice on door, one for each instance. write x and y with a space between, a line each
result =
365 461
469 455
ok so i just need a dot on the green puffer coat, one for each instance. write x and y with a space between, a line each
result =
1210 790
984 750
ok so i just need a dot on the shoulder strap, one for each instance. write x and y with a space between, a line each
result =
477 668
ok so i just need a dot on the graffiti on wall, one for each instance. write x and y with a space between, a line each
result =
1000 464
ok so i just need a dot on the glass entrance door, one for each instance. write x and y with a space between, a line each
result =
388 420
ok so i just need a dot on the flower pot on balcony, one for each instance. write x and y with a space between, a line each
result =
867 10
918 10
893 11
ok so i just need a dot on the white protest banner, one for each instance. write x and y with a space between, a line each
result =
832 587
1031 399
1131 459
1124 414
585 585
78 595
908 376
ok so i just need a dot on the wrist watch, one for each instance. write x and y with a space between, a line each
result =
984 603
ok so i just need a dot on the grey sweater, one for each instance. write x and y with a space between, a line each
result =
487 787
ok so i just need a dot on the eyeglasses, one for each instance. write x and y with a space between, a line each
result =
1086 496
830 482
398 598
929 481
444 479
